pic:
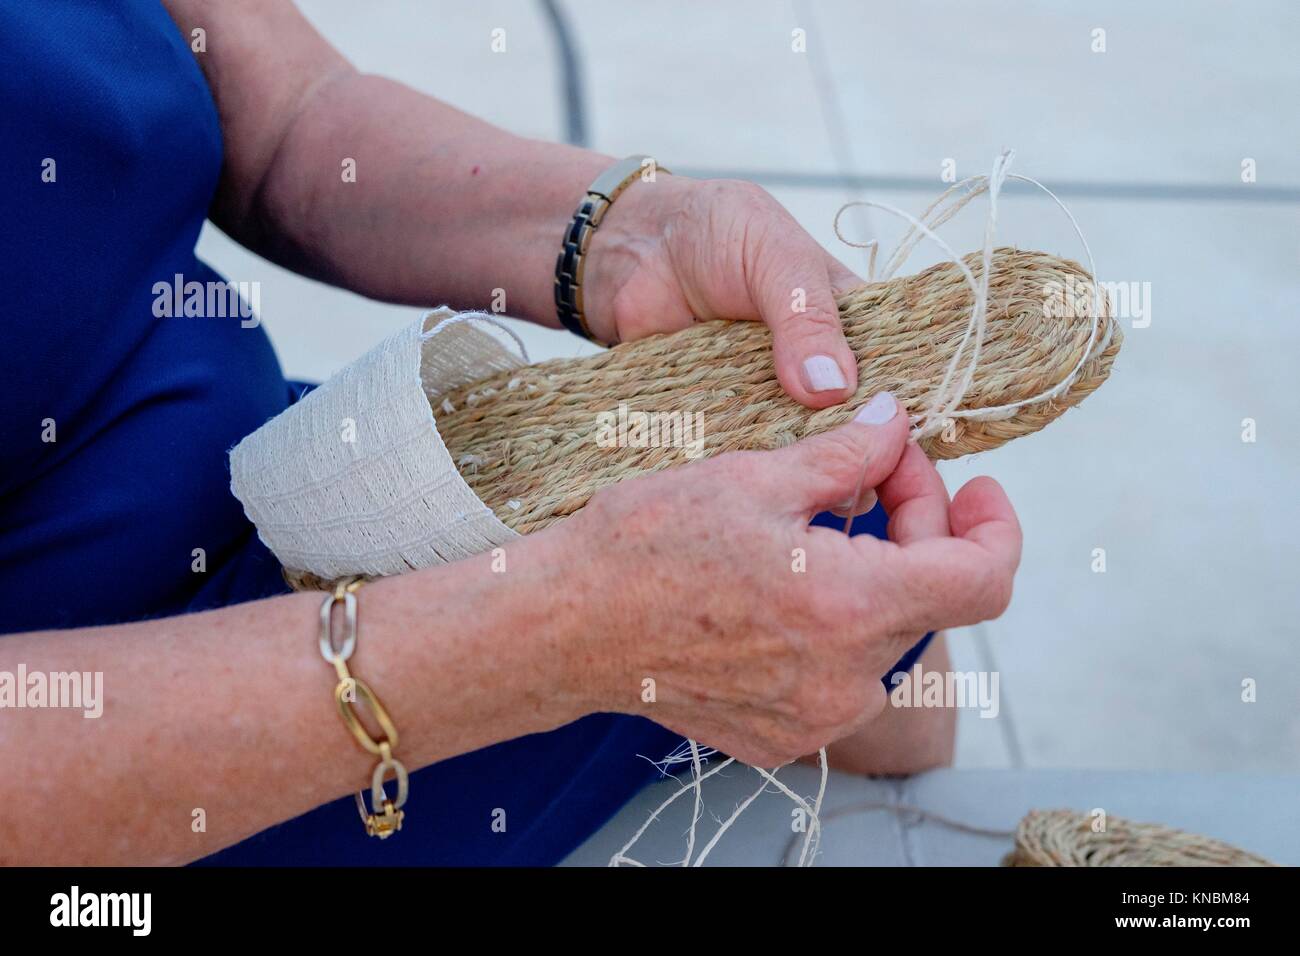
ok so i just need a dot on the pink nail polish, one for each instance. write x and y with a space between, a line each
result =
879 410
821 373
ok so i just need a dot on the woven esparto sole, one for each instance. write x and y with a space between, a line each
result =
534 446
1067 838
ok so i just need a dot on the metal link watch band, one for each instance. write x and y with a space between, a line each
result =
577 238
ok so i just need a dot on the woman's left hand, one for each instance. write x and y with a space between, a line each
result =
672 251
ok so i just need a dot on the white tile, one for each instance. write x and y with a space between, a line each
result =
445 49
1182 94
714 84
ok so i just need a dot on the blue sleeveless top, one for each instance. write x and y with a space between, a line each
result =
113 444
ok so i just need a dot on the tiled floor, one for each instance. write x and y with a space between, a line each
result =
1139 667
878 822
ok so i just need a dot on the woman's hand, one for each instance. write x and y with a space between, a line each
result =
672 251
764 637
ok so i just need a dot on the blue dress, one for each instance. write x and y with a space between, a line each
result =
117 422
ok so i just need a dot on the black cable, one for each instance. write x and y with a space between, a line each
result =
575 111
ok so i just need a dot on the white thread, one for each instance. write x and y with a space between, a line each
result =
812 836
621 856
699 802
943 405
482 317
741 808
977 310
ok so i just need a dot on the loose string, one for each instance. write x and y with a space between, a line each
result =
480 317
948 395
812 833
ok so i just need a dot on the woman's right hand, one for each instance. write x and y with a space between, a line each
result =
764 637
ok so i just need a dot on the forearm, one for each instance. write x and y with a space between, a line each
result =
445 207
232 711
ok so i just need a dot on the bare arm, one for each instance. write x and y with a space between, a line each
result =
232 710
448 208
445 207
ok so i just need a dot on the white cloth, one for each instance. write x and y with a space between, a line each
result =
354 478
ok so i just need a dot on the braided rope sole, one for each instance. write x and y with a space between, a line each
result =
527 441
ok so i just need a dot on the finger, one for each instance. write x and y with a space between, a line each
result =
959 580
939 582
792 289
843 279
835 468
865 501
982 515
981 512
916 499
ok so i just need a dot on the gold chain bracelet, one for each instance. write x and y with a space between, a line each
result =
379 823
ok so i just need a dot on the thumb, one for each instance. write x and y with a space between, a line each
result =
813 360
840 469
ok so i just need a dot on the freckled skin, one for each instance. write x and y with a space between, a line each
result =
752 658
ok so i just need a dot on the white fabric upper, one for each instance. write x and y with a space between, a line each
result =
355 479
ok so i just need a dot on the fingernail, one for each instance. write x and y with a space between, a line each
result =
821 373
879 410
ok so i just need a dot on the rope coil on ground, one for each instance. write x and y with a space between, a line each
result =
1068 838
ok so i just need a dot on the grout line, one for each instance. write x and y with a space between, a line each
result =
1007 726
898 796
1195 192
